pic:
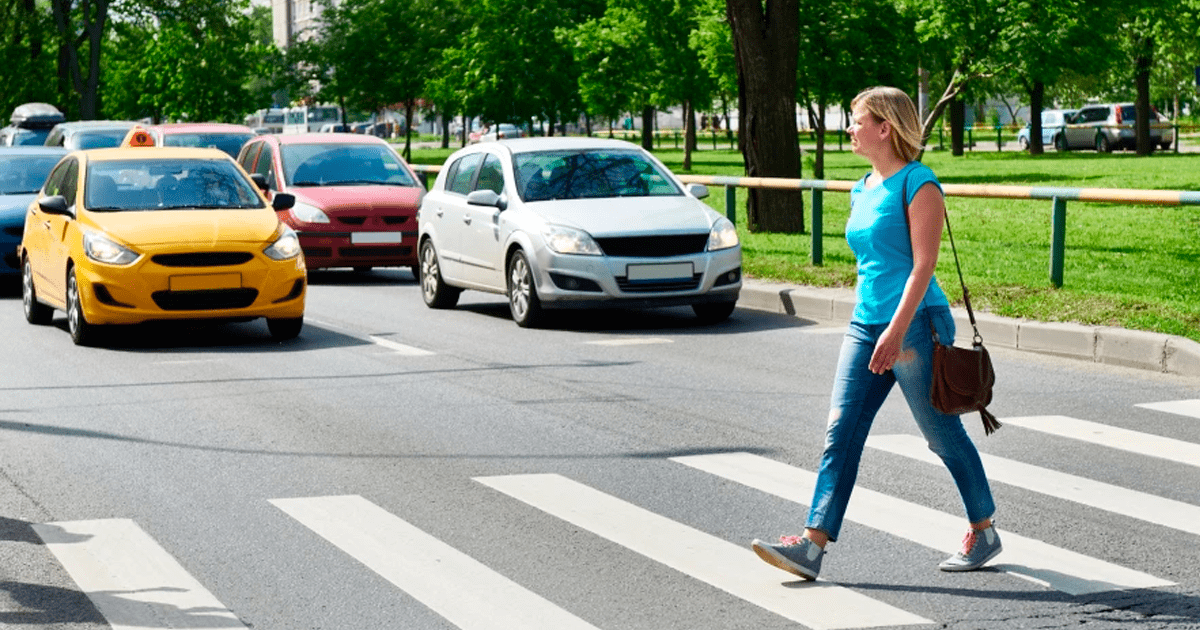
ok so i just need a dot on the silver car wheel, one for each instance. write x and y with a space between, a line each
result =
523 299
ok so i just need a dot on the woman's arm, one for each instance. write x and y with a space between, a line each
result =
925 217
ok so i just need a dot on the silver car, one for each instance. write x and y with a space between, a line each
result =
574 222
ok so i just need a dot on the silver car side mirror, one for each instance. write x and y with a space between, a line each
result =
699 191
485 198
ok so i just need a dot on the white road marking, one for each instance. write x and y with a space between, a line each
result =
1031 559
450 583
132 581
823 330
1189 408
400 348
1112 437
1140 505
729 567
632 341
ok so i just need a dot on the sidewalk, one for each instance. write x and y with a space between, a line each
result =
1100 344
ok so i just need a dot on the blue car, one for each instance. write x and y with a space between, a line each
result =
23 171
1053 121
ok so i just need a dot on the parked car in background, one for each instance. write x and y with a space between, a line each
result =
30 124
23 170
1110 126
574 222
356 198
1053 121
335 128
501 131
143 233
228 138
89 134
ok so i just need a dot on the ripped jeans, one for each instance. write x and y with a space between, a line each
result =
857 396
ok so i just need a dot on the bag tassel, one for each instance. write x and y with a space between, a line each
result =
990 423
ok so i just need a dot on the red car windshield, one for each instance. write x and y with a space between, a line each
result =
343 165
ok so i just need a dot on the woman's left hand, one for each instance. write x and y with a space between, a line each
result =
887 350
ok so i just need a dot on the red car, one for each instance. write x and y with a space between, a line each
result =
356 198
228 138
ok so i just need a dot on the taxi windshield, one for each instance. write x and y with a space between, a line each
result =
24 175
589 174
343 165
168 184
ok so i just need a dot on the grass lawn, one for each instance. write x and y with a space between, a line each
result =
1131 266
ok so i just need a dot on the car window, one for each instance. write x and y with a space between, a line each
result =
587 174
1128 113
344 165
230 143
96 139
1096 114
247 158
23 175
162 184
463 173
263 166
63 180
491 176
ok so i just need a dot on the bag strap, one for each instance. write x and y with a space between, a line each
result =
977 339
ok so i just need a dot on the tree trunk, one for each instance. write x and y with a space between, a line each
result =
817 118
958 117
766 40
648 128
689 132
1037 97
958 83
408 119
1145 58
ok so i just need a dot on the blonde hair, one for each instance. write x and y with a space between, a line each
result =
894 106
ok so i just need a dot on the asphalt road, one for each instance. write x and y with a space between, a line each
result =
399 467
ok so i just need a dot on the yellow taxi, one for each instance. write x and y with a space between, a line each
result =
144 233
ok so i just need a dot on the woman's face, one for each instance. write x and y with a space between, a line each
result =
868 135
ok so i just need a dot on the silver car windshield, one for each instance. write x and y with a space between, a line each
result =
589 174
194 184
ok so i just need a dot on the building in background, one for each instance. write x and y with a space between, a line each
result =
295 20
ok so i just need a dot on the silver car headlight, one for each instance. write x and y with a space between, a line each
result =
100 248
285 247
722 236
309 214
565 240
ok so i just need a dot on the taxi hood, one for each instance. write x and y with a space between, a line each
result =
207 227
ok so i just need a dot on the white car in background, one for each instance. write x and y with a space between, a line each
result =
574 222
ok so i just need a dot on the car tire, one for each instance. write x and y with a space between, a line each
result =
83 333
1165 146
523 299
1060 143
285 328
434 290
363 269
1102 144
714 312
36 313
1023 143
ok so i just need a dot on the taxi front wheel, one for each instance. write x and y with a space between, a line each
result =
285 328
82 333
35 312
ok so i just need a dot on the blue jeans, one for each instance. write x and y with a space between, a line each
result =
858 394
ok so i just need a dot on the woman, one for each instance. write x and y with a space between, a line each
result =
889 339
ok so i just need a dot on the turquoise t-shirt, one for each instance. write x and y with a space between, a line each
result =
878 234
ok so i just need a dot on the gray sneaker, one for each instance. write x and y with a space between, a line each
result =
979 547
793 554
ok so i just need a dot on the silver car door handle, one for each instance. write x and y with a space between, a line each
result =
467 219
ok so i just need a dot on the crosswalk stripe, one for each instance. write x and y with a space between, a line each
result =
429 570
729 567
1146 507
1060 569
1189 408
1112 437
132 581
399 348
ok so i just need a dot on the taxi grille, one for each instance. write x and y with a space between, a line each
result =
203 259
210 300
659 286
654 246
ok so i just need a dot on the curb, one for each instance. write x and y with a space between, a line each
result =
1155 352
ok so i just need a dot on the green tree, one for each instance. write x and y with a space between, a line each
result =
29 38
80 30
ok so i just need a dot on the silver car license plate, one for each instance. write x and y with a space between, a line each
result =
664 271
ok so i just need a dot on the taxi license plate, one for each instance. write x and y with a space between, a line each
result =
665 271
358 238
206 282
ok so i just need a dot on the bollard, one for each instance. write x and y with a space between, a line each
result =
1058 241
818 254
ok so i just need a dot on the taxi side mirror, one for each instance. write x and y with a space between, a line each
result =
56 204
259 180
283 201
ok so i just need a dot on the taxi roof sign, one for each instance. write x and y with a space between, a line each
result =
138 137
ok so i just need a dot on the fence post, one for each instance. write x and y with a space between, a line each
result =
1058 241
818 254
731 203
999 138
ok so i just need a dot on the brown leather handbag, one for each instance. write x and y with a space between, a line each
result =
963 377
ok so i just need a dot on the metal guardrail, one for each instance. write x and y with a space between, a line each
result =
1058 196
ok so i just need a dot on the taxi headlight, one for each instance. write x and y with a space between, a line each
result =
722 236
565 240
102 249
309 214
285 247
